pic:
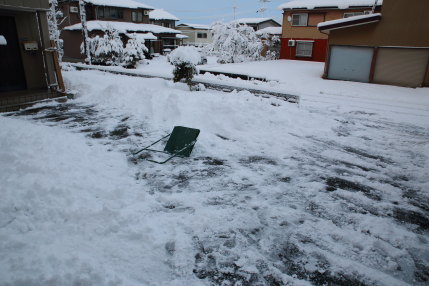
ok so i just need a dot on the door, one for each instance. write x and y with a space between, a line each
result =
12 75
401 66
350 63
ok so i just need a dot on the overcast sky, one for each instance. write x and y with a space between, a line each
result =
208 11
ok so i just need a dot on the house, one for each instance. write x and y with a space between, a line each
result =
301 40
163 18
258 23
391 47
198 35
126 16
27 62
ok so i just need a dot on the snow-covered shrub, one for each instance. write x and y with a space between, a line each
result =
134 51
107 49
235 43
184 60
272 46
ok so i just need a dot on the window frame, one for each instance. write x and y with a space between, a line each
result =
108 13
299 24
202 35
137 16
299 52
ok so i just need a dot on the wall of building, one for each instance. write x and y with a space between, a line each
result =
172 23
35 4
34 62
193 36
404 23
319 50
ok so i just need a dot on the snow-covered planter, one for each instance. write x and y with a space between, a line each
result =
184 60
235 43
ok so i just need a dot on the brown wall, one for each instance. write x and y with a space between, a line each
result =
37 4
34 62
314 17
404 23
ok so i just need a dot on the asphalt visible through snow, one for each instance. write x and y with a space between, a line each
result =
351 209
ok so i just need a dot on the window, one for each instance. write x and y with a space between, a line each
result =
299 19
352 14
304 49
166 25
202 35
109 13
137 16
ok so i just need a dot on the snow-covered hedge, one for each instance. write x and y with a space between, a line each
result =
109 49
187 54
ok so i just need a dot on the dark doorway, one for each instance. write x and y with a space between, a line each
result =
12 75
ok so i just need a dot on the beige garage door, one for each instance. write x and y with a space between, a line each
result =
401 66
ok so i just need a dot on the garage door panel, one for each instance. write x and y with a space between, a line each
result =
401 66
350 63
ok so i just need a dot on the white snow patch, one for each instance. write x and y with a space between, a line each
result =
3 41
346 20
185 54
161 14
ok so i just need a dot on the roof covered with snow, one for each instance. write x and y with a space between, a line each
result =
161 14
349 22
146 36
123 27
339 4
270 31
120 3
254 20
195 26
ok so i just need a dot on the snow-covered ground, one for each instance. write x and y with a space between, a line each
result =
333 191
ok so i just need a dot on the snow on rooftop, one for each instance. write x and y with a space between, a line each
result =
182 36
161 14
349 19
120 3
3 41
123 27
147 36
253 20
196 26
341 4
270 31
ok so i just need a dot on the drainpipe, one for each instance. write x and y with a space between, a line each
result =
42 44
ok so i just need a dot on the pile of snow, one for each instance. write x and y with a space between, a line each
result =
3 41
185 54
120 3
122 27
341 4
161 14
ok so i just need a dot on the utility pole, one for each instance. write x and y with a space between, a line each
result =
234 8
84 30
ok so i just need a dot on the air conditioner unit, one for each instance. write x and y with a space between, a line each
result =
74 9
291 43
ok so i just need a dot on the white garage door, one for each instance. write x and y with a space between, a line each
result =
350 63
401 66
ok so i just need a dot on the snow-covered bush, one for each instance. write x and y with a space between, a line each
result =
184 60
109 49
134 51
272 46
235 43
